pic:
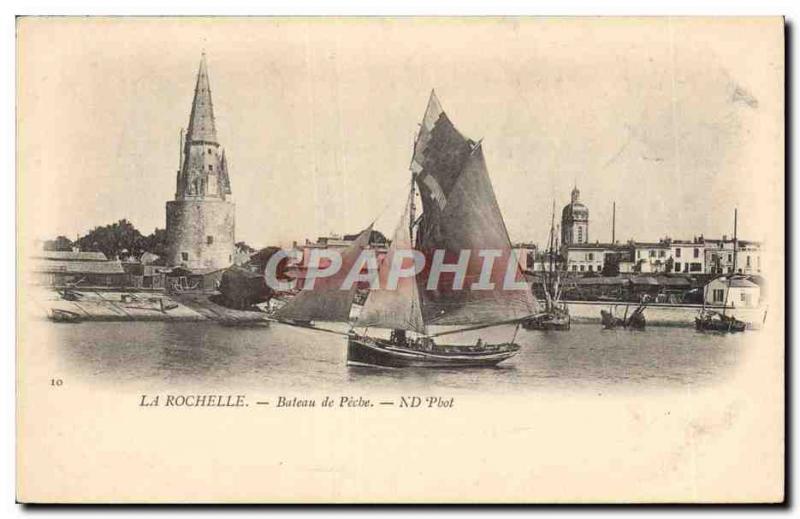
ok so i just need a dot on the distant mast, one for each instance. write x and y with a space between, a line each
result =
614 223
735 241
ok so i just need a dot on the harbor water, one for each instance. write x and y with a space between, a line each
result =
166 355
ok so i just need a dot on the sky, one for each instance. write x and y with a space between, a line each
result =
678 121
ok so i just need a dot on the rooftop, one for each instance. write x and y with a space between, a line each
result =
79 267
68 255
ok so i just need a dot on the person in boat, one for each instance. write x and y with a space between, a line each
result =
398 337
427 343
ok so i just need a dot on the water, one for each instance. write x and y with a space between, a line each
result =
159 355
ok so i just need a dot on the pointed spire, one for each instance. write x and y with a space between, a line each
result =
201 120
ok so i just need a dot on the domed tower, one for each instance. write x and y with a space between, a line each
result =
200 221
574 221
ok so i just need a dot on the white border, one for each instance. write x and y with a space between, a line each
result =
318 7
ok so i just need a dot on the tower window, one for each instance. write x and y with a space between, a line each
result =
185 256
209 151
211 167
209 240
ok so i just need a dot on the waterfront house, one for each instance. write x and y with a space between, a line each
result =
741 292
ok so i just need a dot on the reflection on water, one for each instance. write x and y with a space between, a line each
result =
166 355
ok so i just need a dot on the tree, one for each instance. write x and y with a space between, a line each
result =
156 242
611 265
60 243
113 240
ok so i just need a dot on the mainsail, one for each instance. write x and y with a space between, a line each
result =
395 308
460 212
327 301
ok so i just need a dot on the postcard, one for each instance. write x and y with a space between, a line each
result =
400 260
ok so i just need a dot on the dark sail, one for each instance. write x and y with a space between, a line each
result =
460 212
326 301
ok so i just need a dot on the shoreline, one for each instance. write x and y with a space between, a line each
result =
108 305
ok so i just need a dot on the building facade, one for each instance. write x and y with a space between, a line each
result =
588 257
688 257
574 221
650 257
201 218
719 257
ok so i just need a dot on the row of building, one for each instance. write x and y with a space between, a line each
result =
696 256
577 254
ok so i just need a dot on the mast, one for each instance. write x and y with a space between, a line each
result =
735 241
548 289
613 223
412 206
552 228
728 288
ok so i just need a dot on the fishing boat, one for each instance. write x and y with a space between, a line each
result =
554 318
713 321
636 321
459 213
64 316
555 315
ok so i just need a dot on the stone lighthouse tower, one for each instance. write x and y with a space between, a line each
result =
200 221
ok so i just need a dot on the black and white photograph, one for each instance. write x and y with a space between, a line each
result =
301 250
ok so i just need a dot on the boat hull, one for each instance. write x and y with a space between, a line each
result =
63 316
548 322
365 351
635 322
707 325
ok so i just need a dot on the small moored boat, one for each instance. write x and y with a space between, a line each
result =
716 322
64 316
